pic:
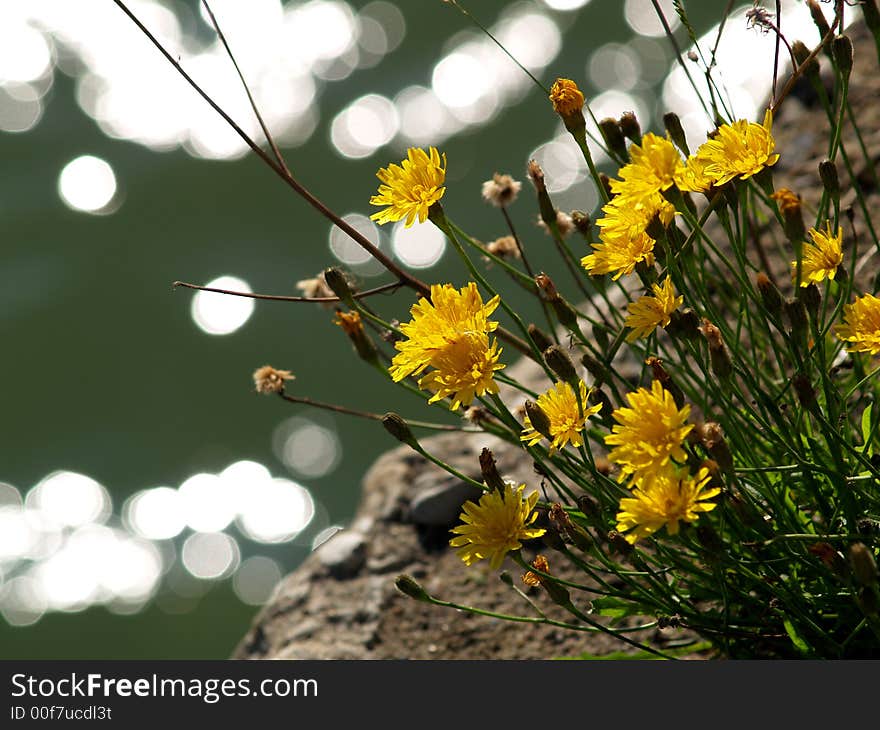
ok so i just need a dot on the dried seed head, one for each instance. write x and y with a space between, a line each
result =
269 380
504 247
501 190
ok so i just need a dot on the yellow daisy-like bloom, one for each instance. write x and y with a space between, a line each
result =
655 164
822 257
861 325
741 149
411 188
692 176
567 420
496 525
450 334
619 257
566 97
465 369
668 497
649 433
649 312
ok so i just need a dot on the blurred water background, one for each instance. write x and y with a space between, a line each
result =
149 498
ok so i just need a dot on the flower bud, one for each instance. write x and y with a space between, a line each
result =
538 419
769 294
595 367
828 175
842 49
792 216
629 125
797 316
397 427
568 103
605 182
819 18
864 567
489 471
871 15
408 585
665 379
719 357
672 122
684 323
536 175
560 363
338 282
803 388
589 506
613 137
541 340
812 299
801 54
583 223
716 445
597 396
351 324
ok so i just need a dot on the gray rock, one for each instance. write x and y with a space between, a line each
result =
441 503
344 554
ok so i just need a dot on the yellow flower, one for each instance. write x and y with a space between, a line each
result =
666 498
619 256
450 334
566 97
861 325
560 405
822 257
649 433
465 369
649 312
692 176
741 149
411 188
496 525
655 164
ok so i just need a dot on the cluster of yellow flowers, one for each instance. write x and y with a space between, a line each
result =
448 341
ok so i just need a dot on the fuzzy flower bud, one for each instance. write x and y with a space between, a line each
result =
665 379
